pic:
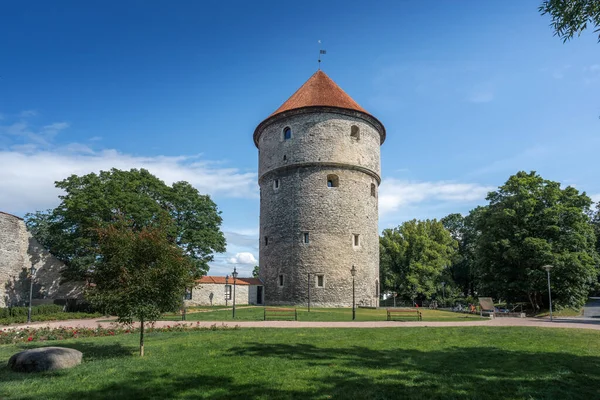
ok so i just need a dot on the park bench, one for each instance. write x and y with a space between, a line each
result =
394 314
277 313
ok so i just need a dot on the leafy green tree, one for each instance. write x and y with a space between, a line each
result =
531 222
463 230
95 200
255 271
139 273
414 256
571 17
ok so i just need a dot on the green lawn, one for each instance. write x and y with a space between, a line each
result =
315 314
388 363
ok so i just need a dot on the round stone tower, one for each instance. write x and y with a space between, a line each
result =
319 174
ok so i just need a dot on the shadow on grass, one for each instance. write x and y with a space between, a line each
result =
363 373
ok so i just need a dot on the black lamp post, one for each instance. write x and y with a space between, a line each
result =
548 268
234 274
444 294
353 272
226 292
31 275
308 286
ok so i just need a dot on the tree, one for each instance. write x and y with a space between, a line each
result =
255 271
95 200
414 256
463 230
571 17
139 273
531 222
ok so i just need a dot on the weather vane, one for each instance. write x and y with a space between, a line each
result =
321 52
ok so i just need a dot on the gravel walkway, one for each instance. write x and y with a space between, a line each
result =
581 323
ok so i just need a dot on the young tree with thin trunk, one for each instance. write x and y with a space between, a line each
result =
139 274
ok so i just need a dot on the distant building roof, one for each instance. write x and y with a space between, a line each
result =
320 90
220 280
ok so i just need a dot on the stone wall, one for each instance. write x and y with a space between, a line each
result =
208 294
18 252
296 200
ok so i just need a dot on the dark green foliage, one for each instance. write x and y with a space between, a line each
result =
528 223
571 17
95 200
35 310
414 256
255 271
139 274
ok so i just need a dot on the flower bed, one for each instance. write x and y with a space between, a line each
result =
10 336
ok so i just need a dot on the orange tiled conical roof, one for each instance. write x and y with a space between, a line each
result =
319 90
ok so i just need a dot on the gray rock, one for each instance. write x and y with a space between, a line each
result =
45 359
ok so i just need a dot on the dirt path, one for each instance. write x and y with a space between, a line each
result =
498 322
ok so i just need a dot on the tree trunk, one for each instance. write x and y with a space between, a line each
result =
141 337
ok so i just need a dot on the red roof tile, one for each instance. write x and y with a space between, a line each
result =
220 280
319 90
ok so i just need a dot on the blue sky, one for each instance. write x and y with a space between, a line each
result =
470 92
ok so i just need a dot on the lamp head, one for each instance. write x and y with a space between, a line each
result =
226 279
548 267
234 273
353 270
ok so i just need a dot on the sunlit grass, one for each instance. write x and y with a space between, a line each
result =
388 363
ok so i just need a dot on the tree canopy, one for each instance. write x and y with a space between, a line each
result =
572 17
94 200
139 273
531 222
414 256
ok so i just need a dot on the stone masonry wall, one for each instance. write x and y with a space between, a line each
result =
18 252
214 294
301 202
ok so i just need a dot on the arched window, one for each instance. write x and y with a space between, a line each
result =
333 181
354 132
373 190
287 133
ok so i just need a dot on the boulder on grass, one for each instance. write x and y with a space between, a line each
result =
45 359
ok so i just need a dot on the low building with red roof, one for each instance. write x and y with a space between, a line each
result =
219 291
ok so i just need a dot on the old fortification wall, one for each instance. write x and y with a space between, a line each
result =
18 252
296 201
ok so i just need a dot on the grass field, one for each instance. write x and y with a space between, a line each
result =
388 363
316 314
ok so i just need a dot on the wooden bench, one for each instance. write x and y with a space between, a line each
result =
280 313
394 314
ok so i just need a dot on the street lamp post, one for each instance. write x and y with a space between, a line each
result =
548 268
353 272
308 287
226 286
234 274
444 294
31 275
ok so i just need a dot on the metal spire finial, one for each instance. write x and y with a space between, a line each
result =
321 52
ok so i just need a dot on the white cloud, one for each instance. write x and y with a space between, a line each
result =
243 258
482 94
27 175
395 194
595 197
28 113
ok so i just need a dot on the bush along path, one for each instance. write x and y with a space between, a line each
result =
47 333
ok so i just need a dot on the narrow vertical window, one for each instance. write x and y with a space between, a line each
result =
228 292
320 281
280 280
284 157
355 132
373 190
356 240
306 237
333 181
276 184
266 240
287 133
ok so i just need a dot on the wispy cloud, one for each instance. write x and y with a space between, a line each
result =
28 113
395 194
481 93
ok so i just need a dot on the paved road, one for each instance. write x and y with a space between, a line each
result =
581 323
